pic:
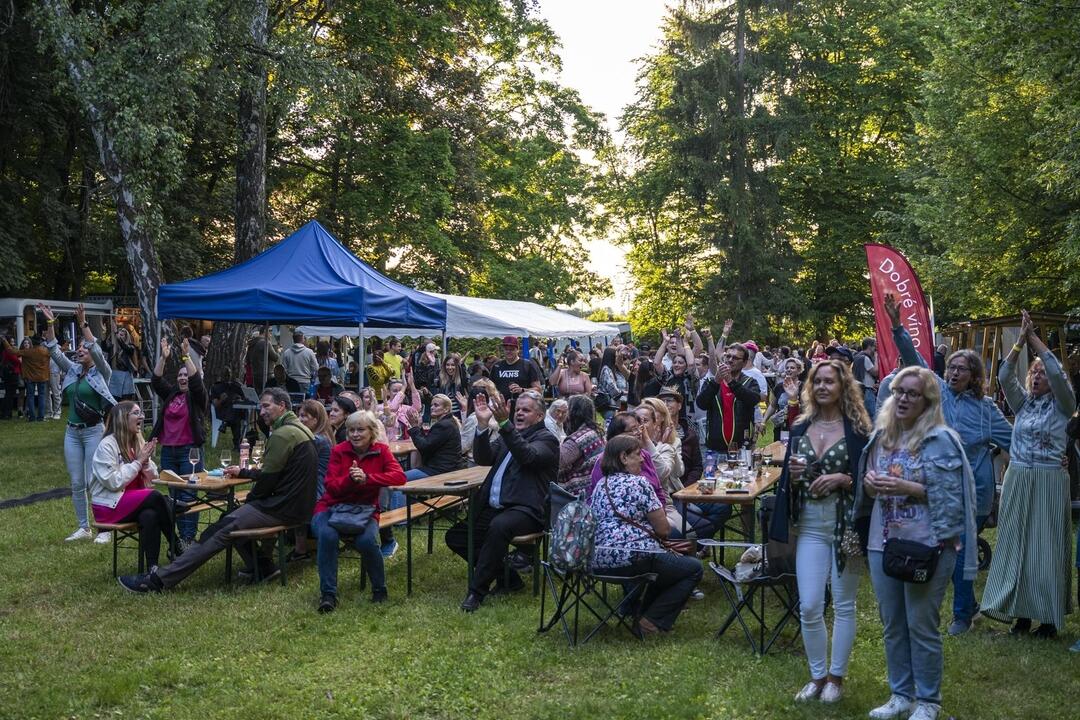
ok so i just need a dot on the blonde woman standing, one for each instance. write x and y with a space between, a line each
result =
919 492
816 492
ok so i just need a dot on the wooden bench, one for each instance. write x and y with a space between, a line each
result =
121 532
390 518
255 534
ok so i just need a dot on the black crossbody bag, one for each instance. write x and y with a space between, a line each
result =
910 561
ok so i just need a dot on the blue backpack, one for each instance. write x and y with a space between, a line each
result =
573 535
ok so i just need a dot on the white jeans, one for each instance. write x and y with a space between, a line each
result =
815 566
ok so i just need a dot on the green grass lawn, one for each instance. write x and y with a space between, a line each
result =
74 645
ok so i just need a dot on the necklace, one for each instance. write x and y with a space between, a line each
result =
825 426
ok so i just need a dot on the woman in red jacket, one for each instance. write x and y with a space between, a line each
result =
359 468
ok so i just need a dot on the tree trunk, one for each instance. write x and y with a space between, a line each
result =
229 339
138 244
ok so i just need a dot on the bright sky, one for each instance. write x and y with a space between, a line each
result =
601 39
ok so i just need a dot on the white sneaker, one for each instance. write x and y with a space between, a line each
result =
897 707
831 693
80 534
925 711
809 692
103 538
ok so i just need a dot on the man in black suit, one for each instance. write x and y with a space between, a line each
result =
513 499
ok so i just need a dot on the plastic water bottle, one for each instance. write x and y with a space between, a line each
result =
311 389
245 451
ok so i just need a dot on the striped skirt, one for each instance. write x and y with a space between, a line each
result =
1031 572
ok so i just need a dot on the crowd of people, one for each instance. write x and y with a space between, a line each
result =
887 471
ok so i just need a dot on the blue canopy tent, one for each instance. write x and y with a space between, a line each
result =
307 278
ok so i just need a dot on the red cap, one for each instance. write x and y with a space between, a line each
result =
751 345
510 341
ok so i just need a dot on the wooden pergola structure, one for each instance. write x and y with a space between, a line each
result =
984 337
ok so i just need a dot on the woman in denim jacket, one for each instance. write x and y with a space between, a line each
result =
916 486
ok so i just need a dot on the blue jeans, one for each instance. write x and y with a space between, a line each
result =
910 614
396 498
35 400
80 444
963 603
327 559
175 458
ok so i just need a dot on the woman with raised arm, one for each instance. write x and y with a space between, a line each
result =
1031 573
180 426
86 389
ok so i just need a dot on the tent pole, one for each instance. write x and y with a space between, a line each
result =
360 361
266 352
444 343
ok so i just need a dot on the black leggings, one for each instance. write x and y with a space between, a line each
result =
154 519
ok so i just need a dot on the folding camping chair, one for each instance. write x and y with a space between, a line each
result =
762 626
572 591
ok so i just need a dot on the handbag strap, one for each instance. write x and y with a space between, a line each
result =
630 521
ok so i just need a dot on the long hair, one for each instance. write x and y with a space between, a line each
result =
645 374
931 417
444 402
444 378
582 413
851 396
978 371
662 416
608 360
611 460
116 424
317 410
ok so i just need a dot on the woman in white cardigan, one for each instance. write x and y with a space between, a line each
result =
120 488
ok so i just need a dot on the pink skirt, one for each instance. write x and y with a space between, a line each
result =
129 502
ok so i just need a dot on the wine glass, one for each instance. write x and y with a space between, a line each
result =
226 458
767 458
256 454
193 457
733 460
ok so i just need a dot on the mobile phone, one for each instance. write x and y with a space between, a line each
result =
452 483
726 492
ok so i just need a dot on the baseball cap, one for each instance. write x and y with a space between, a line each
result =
841 351
510 341
751 345
670 391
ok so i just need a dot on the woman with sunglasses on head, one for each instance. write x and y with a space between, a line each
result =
816 491
120 490
86 389
918 491
1031 572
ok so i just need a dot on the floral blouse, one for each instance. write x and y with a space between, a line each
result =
633 498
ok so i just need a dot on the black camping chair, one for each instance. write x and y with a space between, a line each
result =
572 591
763 626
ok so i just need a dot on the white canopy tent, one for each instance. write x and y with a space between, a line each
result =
470 317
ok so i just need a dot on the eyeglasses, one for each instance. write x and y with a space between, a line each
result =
958 368
912 395
732 357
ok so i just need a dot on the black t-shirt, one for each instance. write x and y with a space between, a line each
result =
523 372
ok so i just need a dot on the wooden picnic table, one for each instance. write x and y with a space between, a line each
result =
758 485
204 482
401 447
461 483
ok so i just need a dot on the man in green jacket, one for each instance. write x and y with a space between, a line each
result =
283 494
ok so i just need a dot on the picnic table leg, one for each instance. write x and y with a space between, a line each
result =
408 546
471 523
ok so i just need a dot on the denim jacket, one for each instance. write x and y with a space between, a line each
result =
978 421
950 490
98 375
